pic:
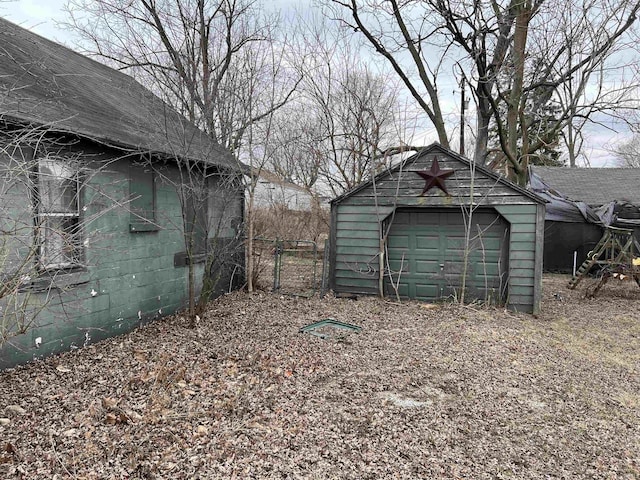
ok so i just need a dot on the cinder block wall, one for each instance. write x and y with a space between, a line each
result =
130 277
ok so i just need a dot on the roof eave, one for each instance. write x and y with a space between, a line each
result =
229 162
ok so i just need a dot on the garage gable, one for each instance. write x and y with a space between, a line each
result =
467 179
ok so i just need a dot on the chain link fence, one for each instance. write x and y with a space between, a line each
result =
291 267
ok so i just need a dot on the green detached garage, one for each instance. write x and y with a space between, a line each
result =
435 226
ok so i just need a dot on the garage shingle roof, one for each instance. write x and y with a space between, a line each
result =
593 186
436 147
44 83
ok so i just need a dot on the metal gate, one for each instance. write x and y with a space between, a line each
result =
291 267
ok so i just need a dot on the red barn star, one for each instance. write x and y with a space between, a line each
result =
435 177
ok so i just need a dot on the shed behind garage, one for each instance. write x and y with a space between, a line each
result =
429 234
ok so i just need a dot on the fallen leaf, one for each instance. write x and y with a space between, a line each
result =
140 355
15 410
476 398
111 419
428 306
109 402
135 416
116 416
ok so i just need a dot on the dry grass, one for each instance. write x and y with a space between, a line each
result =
282 223
444 392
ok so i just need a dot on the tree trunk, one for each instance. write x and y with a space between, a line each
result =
249 252
483 116
514 126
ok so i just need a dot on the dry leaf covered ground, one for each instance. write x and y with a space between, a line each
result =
421 392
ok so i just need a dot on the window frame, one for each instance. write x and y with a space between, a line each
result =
42 216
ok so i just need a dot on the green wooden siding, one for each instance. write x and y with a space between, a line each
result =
357 220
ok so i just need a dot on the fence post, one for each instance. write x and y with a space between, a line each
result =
325 269
277 264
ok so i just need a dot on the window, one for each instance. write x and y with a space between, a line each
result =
143 199
58 215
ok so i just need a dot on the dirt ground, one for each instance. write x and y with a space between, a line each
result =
423 391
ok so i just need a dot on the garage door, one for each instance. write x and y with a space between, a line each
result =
426 250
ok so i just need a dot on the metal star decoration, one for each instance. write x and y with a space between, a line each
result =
435 177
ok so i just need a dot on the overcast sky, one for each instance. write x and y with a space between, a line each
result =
36 15
41 16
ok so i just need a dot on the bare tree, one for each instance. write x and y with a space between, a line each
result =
513 60
402 43
222 64
298 157
20 236
345 119
355 122
203 58
628 153
209 189
604 89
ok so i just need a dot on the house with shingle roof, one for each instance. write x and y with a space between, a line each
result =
274 191
96 212
583 201
594 186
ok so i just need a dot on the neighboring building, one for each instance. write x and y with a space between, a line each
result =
273 191
94 199
426 244
594 186
581 202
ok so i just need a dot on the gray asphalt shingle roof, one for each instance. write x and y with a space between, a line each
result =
594 186
44 83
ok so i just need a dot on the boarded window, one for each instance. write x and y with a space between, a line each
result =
195 215
142 199
58 215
